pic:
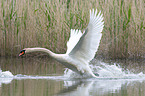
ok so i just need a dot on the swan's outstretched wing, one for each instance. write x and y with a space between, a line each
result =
73 40
88 43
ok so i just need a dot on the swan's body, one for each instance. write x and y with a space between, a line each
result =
81 47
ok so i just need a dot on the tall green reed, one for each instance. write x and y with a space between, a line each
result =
39 23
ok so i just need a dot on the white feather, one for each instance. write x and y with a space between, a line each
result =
73 40
88 43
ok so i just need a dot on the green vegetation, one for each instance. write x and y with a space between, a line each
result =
47 23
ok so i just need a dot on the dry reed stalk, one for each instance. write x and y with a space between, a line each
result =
26 23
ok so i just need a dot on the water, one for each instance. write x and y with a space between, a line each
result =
45 77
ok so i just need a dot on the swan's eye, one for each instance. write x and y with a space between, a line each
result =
22 52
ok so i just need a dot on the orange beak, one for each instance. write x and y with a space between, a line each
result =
21 54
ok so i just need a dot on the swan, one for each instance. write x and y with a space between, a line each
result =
81 47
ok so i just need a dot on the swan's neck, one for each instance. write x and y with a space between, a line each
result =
50 53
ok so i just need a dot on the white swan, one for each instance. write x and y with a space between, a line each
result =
81 47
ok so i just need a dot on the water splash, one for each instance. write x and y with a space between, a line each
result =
6 74
5 77
112 78
105 70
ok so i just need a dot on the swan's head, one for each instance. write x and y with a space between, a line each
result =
22 52
28 50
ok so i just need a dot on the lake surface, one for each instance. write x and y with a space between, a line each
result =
46 77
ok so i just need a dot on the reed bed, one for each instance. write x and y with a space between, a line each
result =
47 23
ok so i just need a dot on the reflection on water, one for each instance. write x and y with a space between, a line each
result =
44 77
44 87
31 66
104 88
30 87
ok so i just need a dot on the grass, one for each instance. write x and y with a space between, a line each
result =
47 23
